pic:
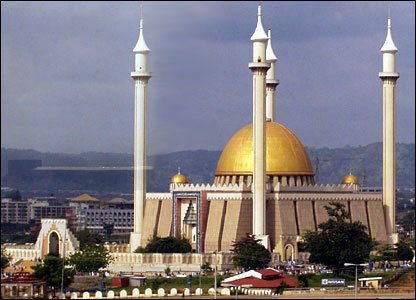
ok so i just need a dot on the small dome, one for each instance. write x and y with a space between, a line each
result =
179 178
350 179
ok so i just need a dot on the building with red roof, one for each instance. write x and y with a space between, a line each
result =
266 279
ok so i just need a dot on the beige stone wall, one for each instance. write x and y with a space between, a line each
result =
214 225
377 220
245 220
359 213
305 216
165 219
320 211
237 222
150 220
286 212
273 224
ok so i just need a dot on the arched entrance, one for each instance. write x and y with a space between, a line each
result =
54 244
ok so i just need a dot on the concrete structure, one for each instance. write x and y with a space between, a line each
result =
264 185
54 237
271 82
13 211
389 77
23 286
141 77
95 219
259 67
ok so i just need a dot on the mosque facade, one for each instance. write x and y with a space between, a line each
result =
264 181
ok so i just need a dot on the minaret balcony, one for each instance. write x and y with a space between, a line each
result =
140 74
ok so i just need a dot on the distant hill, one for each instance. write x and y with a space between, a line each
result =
199 166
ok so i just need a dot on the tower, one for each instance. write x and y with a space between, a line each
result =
389 77
271 82
259 67
141 78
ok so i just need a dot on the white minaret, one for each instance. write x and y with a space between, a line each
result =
271 82
389 77
259 67
141 77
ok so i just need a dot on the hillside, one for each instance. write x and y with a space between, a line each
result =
199 166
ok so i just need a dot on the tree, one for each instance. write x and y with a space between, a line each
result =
167 244
5 259
249 254
50 270
90 259
206 267
339 241
87 238
408 221
404 251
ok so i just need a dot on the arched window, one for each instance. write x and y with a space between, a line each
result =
54 243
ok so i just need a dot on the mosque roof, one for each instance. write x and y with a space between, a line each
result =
84 197
285 154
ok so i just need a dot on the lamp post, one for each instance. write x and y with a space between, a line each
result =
356 266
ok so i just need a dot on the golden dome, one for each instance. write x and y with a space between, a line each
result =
285 154
350 179
179 178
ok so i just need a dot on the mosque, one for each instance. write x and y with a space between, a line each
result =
264 183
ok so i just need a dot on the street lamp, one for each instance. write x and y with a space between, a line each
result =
356 266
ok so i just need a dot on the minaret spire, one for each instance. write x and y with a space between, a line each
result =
271 82
389 77
141 77
259 67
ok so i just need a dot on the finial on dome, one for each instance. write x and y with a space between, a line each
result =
269 50
389 45
179 178
259 34
141 46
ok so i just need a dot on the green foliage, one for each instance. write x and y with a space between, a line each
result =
19 233
90 259
167 271
5 259
50 270
167 244
206 267
249 254
408 221
404 251
88 239
339 241
281 288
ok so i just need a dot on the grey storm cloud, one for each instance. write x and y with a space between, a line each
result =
66 85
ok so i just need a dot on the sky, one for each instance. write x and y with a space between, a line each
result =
66 85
